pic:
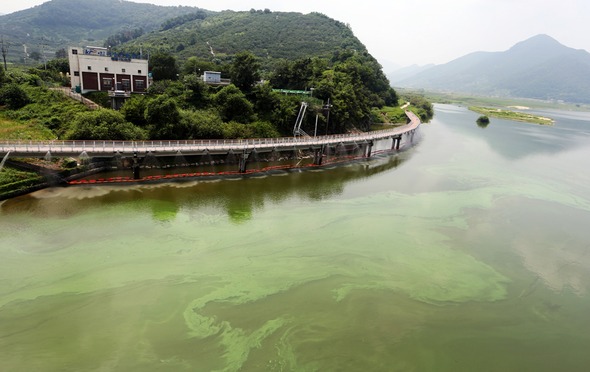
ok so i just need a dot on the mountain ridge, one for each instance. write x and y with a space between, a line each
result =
60 23
181 31
539 68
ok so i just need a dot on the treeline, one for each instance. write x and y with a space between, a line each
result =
180 20
123 37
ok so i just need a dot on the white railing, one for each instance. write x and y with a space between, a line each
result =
110 147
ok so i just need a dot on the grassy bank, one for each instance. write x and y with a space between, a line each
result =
511 115
12 181
474 100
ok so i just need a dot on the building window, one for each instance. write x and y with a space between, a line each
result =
139 71
76 73
126 84
89 68
123 70
139 84
107 82
106 69
74 51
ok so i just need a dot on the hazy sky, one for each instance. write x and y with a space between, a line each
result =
423 31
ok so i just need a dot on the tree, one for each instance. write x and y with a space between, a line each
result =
14 97
245 71
483 121
35 55
163 66
134 110
266 101
233 105
59 64
61 53
4 45
197 66
297 74
103 124
163 119
2 76
203 124
196 91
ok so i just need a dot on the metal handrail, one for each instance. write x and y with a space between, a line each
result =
79 146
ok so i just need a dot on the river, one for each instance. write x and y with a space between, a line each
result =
469 251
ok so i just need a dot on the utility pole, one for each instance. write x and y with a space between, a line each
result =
4 49
327 107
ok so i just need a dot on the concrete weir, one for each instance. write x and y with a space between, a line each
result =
242 149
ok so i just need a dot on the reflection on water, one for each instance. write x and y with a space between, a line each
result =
459 254
238 196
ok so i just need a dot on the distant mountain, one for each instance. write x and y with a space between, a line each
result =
59 23
538 68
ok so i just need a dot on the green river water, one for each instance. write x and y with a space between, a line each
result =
468 252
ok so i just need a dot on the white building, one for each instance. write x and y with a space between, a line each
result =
212 77
94 69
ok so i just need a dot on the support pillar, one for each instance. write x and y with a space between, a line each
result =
318 155
368 149
243 163
399 141
135 166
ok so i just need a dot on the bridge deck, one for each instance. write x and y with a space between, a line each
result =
163 148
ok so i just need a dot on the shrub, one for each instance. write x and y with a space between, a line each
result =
103 124
263 129
14 97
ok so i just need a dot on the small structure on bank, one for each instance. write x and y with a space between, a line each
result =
214 78
97 69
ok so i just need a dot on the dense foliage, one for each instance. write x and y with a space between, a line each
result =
123 37
13 96
483 121
60 23
268 35
103 124
188 108
180 20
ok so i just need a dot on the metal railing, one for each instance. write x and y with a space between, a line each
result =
40 148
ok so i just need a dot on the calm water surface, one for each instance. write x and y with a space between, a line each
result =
468 252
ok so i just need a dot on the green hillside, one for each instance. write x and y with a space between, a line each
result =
57 24
267 34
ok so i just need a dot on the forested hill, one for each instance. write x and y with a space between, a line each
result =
182 31
57 24
267 34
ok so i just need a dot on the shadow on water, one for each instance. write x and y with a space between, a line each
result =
238 197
